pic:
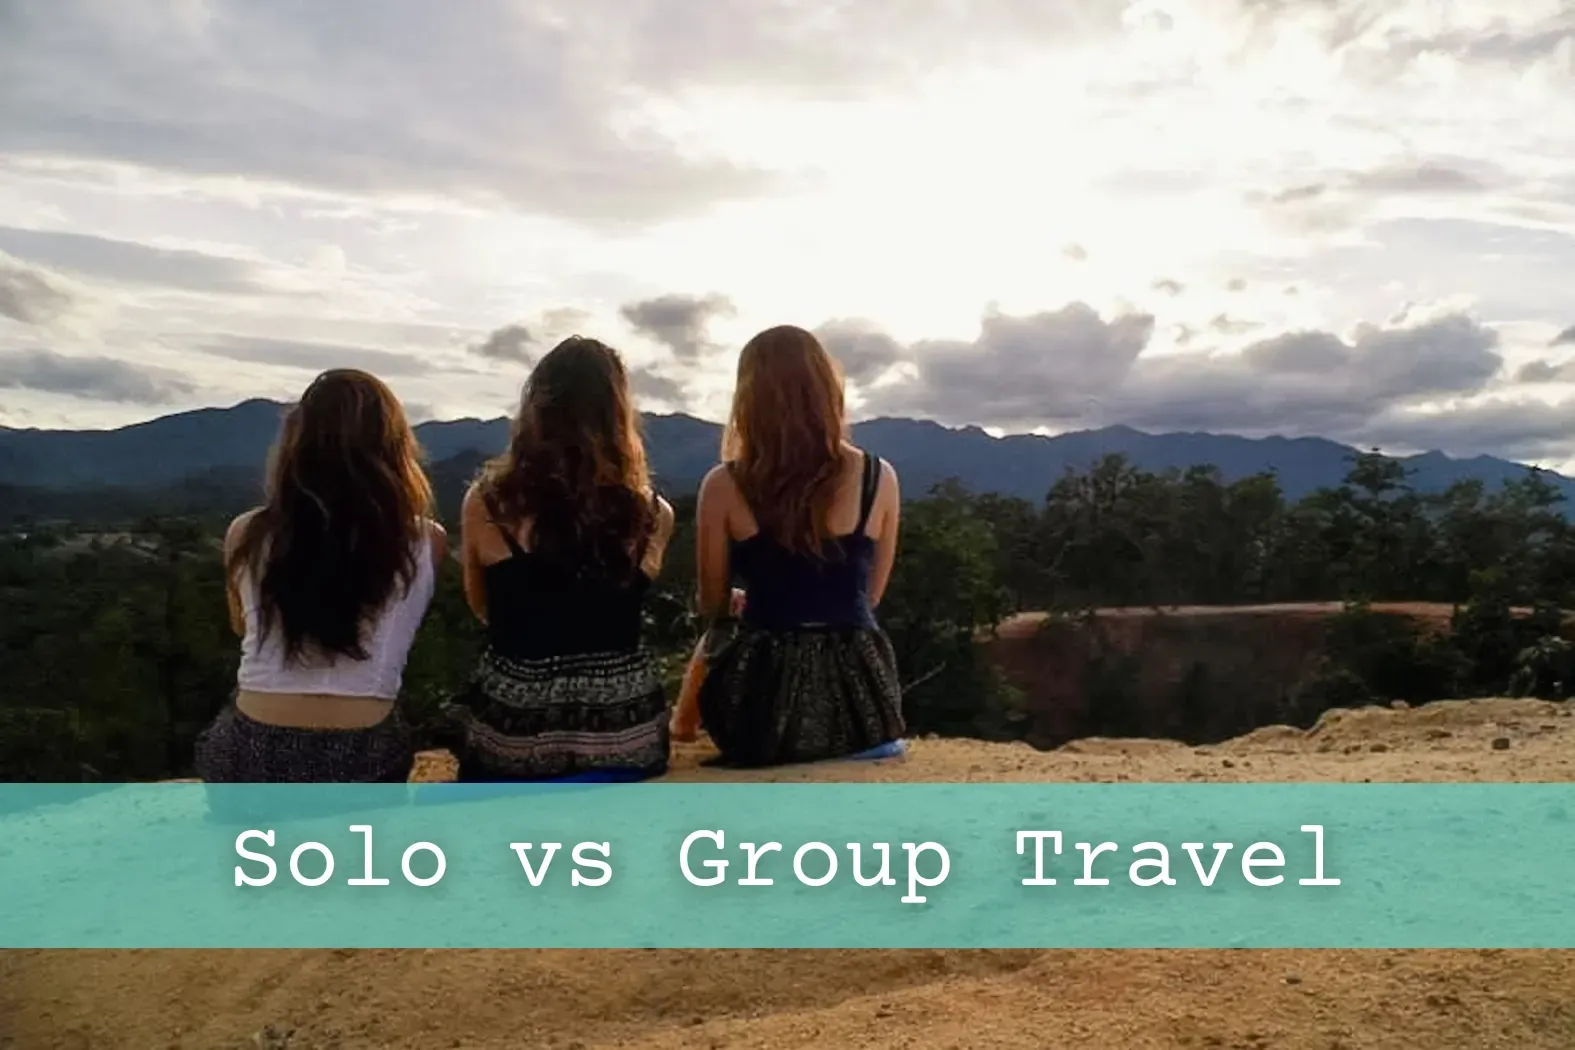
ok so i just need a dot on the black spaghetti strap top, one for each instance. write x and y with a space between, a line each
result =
788 591
539 608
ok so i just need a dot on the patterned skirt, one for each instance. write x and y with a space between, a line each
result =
562 716
779 697
236 749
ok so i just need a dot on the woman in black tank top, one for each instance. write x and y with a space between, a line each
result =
562 535
806 674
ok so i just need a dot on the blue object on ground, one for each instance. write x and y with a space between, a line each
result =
892 749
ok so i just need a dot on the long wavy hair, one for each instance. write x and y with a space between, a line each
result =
340 530
784 436
575 465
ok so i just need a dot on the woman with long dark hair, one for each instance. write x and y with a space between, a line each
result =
808 523
562 537
328 582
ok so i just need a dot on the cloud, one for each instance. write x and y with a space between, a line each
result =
1424 177
313 356
1565 338
1312 382
861 348
1020 371
1073 366
1075 252
128 262
512 342
543 106
649 384
1169 286
1227 325
96 378
31 294
678 322
487 101
1521 429
1545 372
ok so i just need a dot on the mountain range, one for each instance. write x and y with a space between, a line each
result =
216 454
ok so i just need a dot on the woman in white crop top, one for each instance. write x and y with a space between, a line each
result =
328 583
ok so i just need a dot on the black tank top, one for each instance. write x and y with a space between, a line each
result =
787 590
538 608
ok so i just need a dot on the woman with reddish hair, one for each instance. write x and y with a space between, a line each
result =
562 536
808 524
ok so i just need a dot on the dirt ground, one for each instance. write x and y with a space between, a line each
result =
567 1000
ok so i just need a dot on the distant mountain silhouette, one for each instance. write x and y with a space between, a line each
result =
223 450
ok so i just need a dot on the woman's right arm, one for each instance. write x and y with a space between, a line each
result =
890 509
711 543
473 519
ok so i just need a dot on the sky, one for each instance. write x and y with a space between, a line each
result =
1341 218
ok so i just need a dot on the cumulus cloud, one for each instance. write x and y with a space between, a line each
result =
1515 428
31 294
678 322
1312 382
1020 370
1073 366
128 262
860 347
512 342
1169 286
648 383
97 378
1565 338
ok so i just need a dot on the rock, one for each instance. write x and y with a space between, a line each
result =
1501 744
1439 734
1399 705
1292 978
1228 764
1379 749
272 1037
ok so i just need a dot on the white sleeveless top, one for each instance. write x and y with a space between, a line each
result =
387 640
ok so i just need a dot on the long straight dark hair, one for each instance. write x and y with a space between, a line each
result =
575 465
340 530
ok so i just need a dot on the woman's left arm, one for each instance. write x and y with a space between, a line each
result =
232 596
711 562
473 518
886 545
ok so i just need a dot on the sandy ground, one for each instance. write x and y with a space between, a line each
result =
1252 1000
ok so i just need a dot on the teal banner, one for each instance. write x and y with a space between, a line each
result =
788 866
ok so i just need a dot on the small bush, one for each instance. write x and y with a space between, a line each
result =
1329 686
1545 670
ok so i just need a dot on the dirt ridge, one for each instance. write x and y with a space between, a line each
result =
782 1000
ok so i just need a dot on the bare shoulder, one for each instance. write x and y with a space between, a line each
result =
237 529
474 507
437 536
718 483
888 476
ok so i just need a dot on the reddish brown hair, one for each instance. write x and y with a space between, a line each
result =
575 465
784 437
340 529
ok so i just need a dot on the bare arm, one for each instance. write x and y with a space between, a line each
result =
232 595
473 519
889 506
437 535
711 565
656 550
